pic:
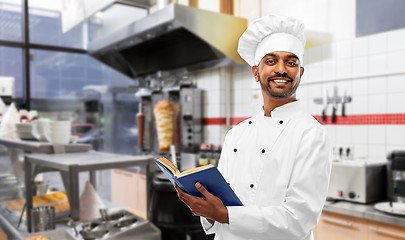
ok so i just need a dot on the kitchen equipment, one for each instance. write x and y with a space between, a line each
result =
165 39
357 181
326 104
43 218
344 101
186 101
116 225
191 118
394 208
172 216
396 176
40 188
334 104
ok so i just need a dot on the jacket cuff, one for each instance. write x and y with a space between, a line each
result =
208 227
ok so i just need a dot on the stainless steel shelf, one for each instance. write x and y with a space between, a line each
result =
36 147
44 147
70 165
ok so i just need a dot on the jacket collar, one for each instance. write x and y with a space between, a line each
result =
286 110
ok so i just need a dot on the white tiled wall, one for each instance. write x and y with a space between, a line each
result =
369 69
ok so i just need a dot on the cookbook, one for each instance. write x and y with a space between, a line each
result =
207 175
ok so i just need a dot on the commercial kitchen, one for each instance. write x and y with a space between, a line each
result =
86 85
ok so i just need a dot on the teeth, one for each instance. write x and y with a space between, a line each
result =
280 81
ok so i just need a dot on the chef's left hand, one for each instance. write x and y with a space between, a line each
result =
209 206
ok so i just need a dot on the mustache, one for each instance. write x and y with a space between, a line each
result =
284 75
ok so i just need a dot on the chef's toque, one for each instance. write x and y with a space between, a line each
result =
272 33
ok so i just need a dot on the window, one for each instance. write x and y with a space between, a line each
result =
11 66
11 20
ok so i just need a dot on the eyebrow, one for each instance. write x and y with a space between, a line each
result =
274 55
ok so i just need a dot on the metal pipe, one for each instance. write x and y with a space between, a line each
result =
26 98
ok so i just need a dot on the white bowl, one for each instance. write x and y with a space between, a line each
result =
60 124
60 128
58 137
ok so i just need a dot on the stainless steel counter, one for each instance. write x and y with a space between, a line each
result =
70 165
365 211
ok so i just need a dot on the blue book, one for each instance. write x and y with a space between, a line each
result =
207 175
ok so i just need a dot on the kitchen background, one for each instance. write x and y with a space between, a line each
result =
368 68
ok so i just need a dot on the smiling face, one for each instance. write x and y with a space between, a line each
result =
279 74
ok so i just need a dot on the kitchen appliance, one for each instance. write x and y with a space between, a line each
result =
115 225
396 176
191 118
176 38
186 101
173 217
357 181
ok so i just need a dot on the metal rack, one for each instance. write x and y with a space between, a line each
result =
36 147
70 165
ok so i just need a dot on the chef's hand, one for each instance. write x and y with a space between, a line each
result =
208 206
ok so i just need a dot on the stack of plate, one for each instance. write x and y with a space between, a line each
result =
58 132
40 127
24 131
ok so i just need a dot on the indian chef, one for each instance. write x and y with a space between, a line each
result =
278 161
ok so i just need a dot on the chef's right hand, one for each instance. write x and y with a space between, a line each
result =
209 206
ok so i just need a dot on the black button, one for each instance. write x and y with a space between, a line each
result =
263 150
251 185
235 150
250 122
281 121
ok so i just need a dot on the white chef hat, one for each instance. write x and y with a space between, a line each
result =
272 33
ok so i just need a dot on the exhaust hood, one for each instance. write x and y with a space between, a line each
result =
176 39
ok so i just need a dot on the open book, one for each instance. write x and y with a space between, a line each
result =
207 175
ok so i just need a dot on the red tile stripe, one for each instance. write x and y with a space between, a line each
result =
365 119
214 121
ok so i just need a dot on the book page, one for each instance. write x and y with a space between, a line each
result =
170 166
193 170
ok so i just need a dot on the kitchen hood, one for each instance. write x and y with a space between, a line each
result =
176 39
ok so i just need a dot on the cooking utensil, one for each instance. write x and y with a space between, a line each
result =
40 188
104 214
43 218
334 104
344 104
325 102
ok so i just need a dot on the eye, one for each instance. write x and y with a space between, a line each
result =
270 61
292 63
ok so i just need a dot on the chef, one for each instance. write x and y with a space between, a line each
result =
278 161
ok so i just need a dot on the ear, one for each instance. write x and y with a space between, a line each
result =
255 71
301 72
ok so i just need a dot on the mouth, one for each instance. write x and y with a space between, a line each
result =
280 81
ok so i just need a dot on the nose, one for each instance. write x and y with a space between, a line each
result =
280 68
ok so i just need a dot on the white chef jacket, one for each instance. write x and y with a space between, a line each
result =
279 167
